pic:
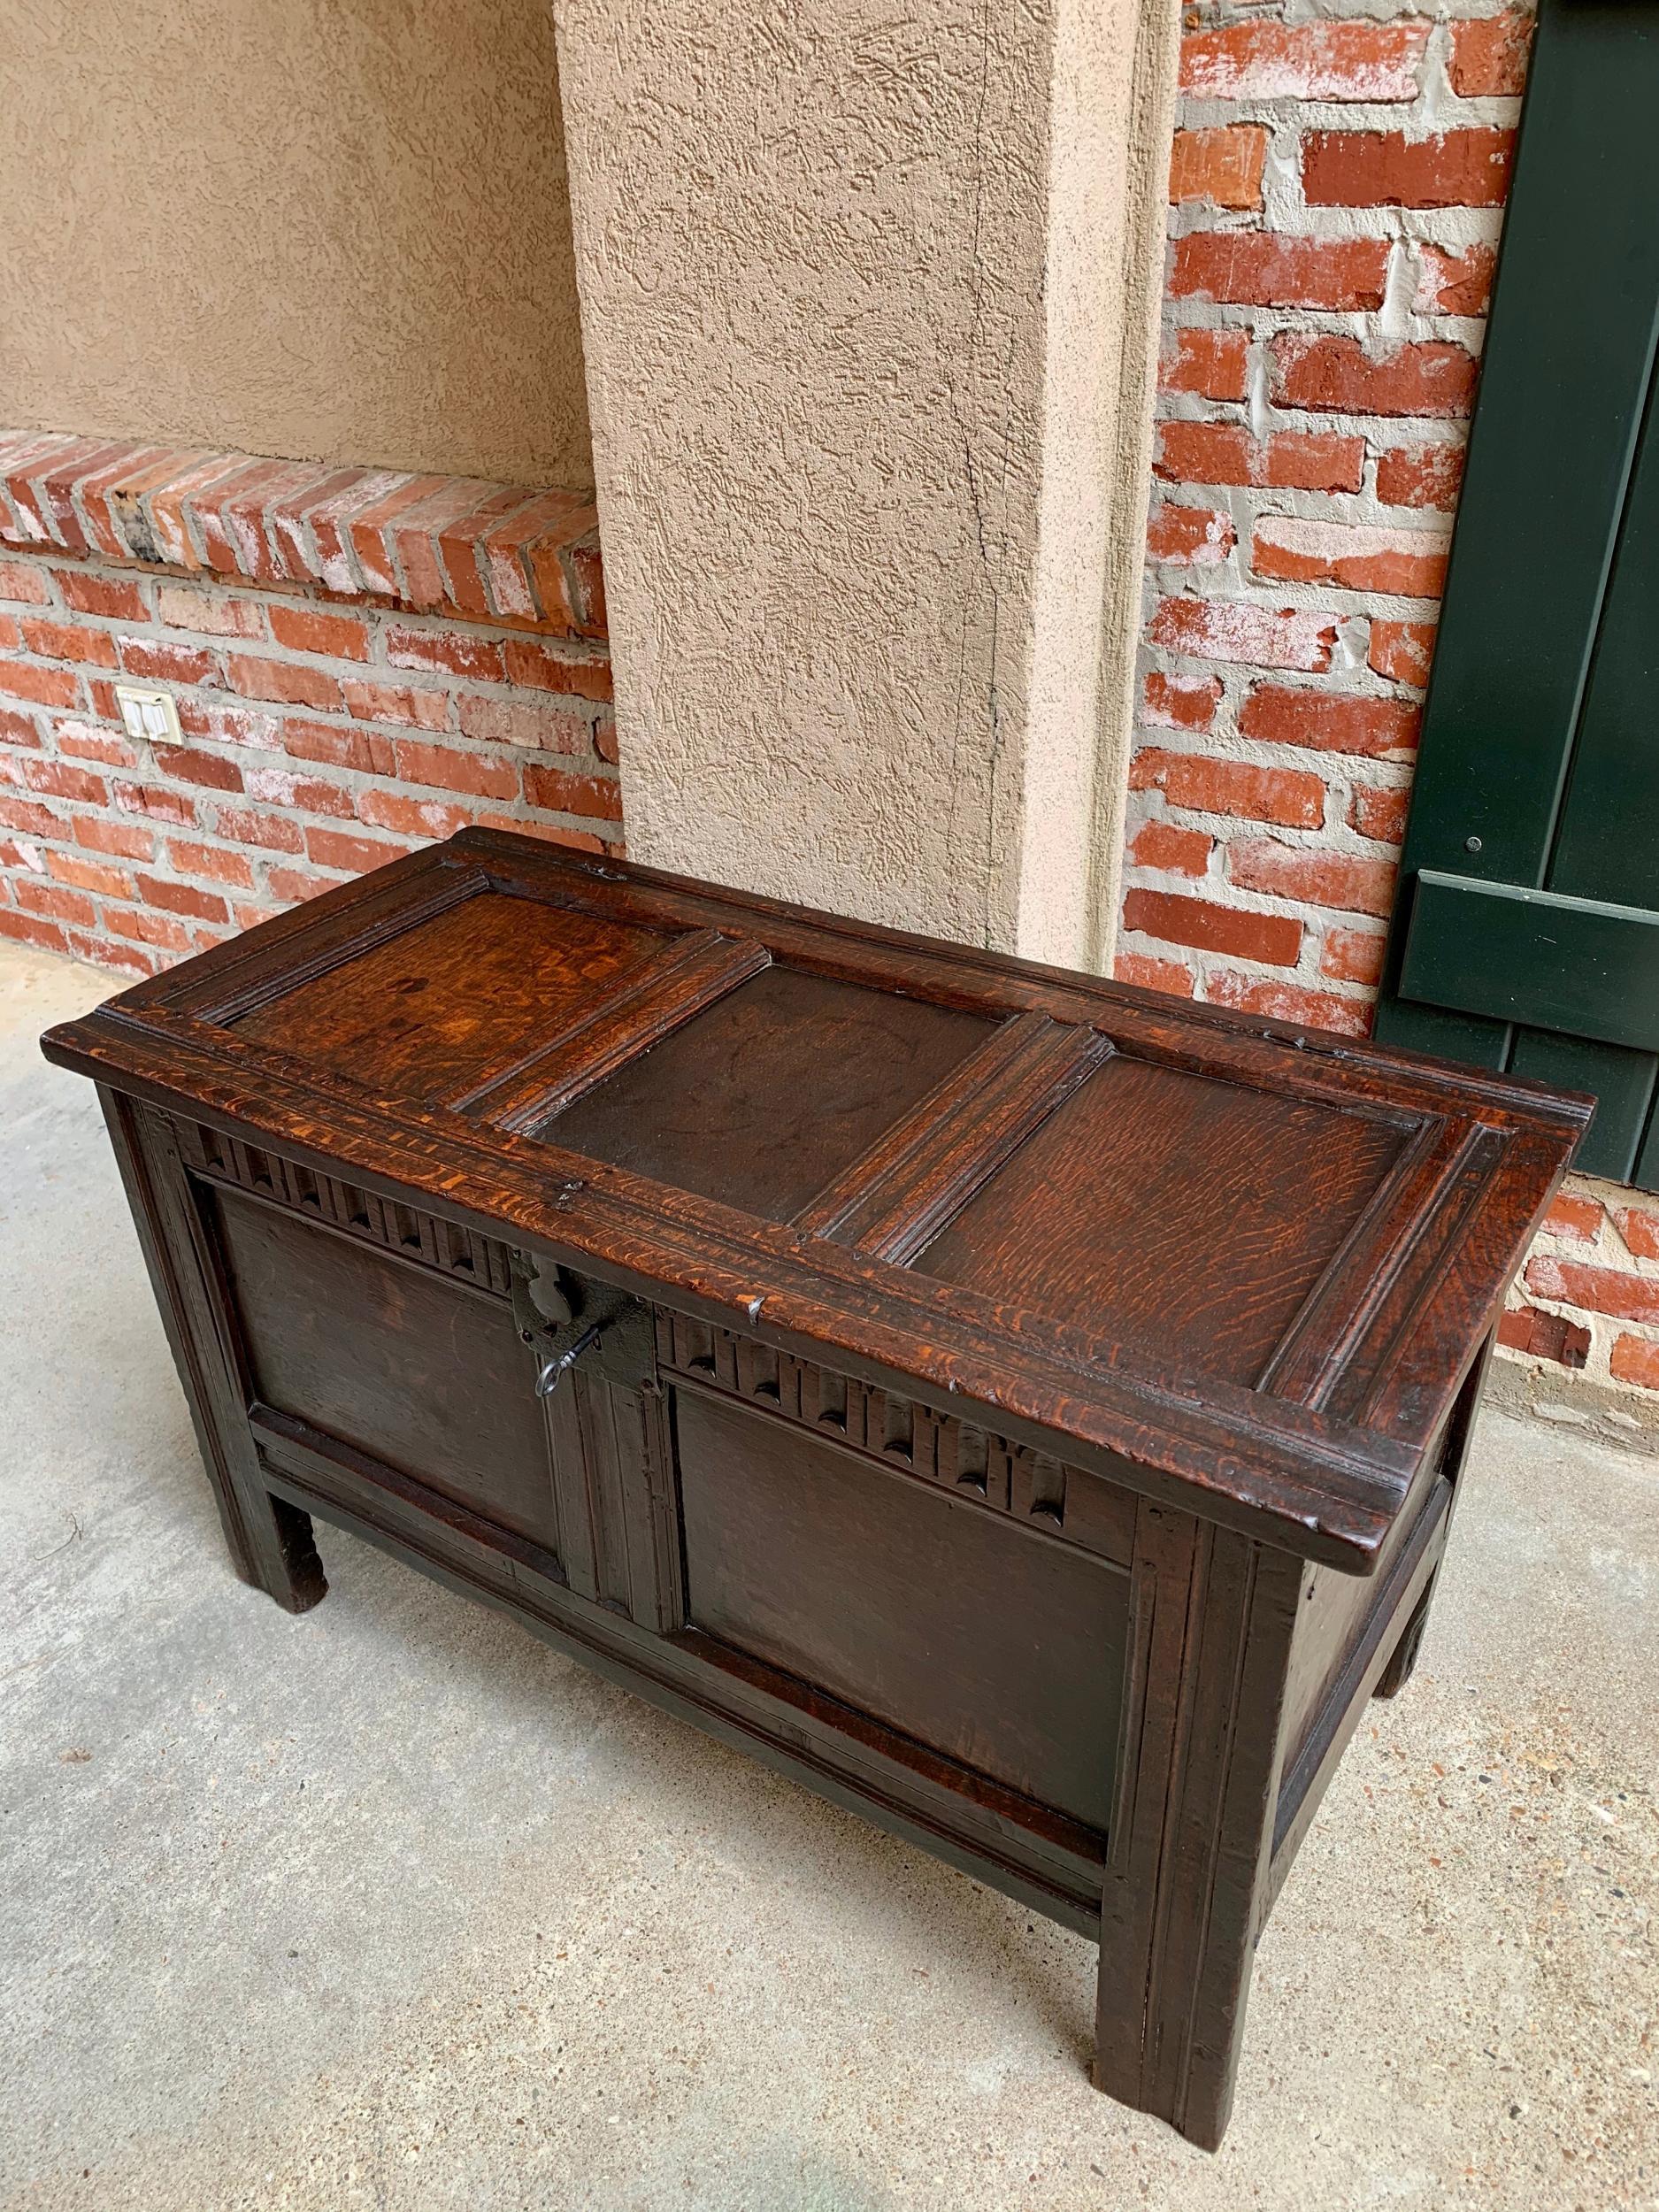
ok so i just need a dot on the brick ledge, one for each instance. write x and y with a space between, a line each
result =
509 553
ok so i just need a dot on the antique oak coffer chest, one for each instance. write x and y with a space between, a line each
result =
1023 1408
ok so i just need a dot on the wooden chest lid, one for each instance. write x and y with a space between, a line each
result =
1244 1265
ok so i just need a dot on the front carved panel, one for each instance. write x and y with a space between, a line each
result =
432 1385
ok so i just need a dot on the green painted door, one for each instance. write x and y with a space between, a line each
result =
1526 932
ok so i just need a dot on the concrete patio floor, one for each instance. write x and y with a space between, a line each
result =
388 1905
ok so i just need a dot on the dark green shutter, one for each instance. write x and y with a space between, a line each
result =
1526 932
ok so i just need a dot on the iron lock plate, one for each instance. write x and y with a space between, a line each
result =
566 1321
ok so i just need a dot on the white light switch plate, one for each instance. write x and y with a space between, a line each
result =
149 714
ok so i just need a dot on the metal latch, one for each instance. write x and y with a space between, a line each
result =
564 1319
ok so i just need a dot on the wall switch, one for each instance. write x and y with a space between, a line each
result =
149 714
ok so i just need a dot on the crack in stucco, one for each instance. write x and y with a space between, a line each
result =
971 472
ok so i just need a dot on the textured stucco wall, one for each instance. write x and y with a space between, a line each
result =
855 317
319 228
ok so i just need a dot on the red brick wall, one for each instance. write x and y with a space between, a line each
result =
1336 193
361 662
1588 1297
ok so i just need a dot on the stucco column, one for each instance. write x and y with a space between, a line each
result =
868 301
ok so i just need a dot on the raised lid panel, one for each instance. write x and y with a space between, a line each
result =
768 1094
450 1001
1181 1219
